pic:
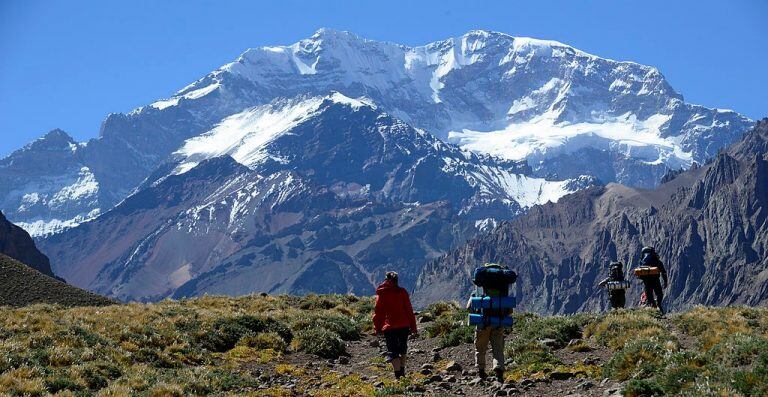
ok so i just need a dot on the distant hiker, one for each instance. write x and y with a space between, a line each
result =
616 285
651 269
491 314
394 317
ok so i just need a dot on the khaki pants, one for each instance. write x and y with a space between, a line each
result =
494 335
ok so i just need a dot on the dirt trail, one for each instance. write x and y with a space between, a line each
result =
429 365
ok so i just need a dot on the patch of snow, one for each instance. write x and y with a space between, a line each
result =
194 94
165 103
542 137
245 135
85 186
47 227
199 93
486 225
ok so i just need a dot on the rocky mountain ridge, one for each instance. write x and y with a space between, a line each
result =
325 203
708 225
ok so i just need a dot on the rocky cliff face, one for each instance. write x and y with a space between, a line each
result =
566 112
708 225
17 244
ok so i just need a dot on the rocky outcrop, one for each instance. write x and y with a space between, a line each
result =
708 224
17 244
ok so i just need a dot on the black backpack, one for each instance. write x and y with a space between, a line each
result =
617 271
494 279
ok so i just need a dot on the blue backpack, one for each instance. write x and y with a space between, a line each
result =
495 306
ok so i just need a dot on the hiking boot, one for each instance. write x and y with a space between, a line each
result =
499 375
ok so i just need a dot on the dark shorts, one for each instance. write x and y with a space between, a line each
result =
397 342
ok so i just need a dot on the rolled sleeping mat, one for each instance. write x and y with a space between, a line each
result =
494 321
495 302
618 285
647 271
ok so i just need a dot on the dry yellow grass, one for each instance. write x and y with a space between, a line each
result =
161 349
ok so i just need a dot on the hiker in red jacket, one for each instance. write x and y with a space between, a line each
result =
394 317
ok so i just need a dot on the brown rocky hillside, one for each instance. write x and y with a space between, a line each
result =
709 225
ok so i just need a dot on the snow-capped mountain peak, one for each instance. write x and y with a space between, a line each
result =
479 88
566 112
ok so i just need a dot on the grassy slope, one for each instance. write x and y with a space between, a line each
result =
22 285
218 345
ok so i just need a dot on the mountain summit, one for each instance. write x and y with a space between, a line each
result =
567 113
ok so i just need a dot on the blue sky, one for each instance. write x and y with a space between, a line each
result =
67 64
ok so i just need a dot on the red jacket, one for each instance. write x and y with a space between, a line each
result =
393 308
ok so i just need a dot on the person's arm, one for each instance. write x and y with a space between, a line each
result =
378 316
409 312
605 281
663 272
474 276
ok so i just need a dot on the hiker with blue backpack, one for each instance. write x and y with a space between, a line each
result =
490 312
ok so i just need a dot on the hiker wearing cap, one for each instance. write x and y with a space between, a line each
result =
651 269
393 316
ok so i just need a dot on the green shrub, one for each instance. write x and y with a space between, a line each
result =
640 358
266 340
61 383
447 323
440 326
319 302
391 390
339 324
617 328
90 339
320 342
560 328
98 374
752 382
439 308
458 335
226 332
526 352
738 350
642 388
680 372
226 380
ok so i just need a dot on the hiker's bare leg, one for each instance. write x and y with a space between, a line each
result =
396 364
